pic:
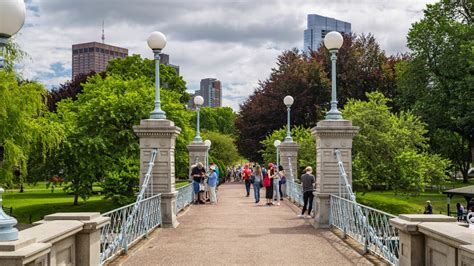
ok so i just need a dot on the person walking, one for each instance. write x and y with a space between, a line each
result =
257 178
459 212
268 184
275 177
212 183
246 173
307 182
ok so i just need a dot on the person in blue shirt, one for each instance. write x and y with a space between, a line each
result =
212 183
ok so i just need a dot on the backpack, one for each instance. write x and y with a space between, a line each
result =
283 180
266 181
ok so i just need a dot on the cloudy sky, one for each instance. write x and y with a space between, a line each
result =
235 41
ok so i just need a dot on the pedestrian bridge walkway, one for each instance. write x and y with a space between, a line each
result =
237 231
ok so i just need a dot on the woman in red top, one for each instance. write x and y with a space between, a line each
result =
246 173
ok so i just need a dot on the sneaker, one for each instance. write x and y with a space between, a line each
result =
309 216
278 204
300 215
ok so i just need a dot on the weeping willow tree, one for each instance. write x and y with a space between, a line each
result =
24 126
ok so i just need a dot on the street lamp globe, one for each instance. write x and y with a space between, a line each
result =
157 40
288 101
12 17
333 40
207 143
198 100
276 143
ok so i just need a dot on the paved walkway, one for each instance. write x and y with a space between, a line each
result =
237 231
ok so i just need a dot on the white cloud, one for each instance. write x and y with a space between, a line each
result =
235 41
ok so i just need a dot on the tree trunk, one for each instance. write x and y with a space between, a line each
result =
76 198
465 177
471 145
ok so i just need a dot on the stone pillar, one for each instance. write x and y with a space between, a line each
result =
289 150
331 135
197 153
412 242
160 134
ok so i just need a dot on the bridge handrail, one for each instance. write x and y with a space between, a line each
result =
365 224
125 226
185 197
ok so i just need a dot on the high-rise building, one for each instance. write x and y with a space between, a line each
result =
211 91
165 60
94 56
318 26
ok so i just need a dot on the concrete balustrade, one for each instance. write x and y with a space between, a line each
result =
59 239
433 240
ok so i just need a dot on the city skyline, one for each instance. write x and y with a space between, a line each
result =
239 42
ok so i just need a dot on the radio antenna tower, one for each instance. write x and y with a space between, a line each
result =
103 32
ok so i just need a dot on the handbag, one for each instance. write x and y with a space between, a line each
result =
252 179
202 187
283 180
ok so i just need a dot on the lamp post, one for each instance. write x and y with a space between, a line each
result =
12 18
157 41
198 101
208 144
333 41
288 101
277 143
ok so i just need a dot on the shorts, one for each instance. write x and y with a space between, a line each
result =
196 187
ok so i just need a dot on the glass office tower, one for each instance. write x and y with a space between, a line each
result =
318 26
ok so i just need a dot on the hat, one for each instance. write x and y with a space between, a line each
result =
270 165
308 169
213 167
428 201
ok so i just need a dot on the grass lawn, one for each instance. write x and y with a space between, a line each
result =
401 203
38 201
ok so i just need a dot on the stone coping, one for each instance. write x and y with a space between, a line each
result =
77 216
17 244
28 253
52 231
427 218
449 233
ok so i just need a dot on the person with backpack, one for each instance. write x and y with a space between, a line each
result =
307 182
246 173
257 179
282 183
267 183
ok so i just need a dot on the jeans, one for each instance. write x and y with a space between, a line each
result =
247 186
256 191
212 192
308 196
276 189
196 187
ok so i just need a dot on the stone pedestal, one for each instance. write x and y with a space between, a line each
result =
331 135
160 134
197 153
289 152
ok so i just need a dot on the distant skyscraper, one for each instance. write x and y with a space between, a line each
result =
94 56
165 60
211 91
318 26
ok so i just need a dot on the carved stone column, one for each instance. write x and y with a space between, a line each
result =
331 135
160 134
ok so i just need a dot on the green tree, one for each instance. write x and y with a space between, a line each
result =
134 66
391 149
223 147
25 129
306 154
100 138
438 82
220 119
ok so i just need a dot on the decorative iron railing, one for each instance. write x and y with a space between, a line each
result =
130 223
117 237
185 197
294 192
368 226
